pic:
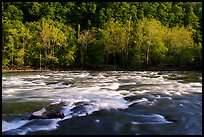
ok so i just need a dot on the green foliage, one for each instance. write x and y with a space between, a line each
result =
12 13
85 38
180 46
148 43
12 43
95 34
157 45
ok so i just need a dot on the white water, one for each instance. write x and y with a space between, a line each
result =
100 92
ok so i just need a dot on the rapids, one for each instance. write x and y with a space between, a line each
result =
111 102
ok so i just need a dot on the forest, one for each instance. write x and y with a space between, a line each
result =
102 35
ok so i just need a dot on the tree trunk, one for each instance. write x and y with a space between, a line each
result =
147 56
78 31
114 60
12 60
126 56
46 57
53 56
82 57
40 59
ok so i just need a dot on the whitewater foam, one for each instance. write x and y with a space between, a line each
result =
12 124
94 92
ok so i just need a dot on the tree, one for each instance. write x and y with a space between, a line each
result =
176 14
180 44
67 51
149 47
13 50
51 38
126 40
137 34
12 13
86 37
190 17
115 39
34 57
163 13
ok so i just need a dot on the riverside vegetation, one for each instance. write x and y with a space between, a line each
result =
94 35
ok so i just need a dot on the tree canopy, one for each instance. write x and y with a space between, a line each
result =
94 35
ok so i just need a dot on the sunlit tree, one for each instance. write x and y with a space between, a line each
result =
86 37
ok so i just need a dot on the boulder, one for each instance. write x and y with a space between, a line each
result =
49 112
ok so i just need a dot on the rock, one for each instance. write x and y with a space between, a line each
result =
173 119
49 112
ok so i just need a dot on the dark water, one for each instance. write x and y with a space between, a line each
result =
104 103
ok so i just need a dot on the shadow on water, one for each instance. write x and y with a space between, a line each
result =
185 77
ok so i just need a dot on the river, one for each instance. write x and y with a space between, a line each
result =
111 102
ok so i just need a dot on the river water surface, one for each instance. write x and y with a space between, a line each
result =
104 103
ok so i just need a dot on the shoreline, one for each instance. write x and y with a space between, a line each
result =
24 70
50 70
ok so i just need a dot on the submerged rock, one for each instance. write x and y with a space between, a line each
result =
173 119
